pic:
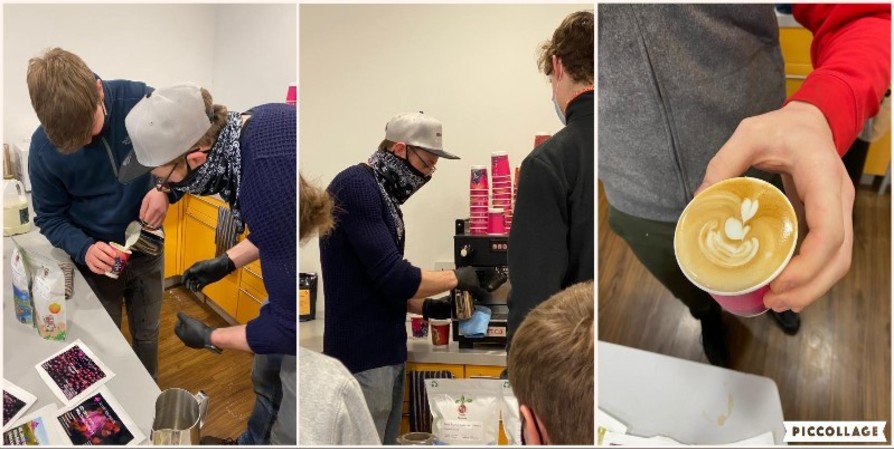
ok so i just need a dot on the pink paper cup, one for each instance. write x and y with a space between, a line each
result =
419 326
540 138
748 302
746 305
478 178
496 223
500 163
122 256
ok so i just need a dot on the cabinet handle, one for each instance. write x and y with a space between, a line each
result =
795 77
251 296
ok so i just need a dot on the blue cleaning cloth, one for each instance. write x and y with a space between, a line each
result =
476 327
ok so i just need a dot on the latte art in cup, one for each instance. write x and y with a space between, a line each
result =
736 236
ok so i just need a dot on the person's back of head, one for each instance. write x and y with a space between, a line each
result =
64 96
316 210
572 43
551 368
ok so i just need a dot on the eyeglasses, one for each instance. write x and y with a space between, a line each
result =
163 185
431 168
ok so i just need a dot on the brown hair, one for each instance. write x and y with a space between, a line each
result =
551 364
64 97
218 115
572 42
315 212
385 145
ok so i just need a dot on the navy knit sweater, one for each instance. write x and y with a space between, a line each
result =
267 195
366 279
77 197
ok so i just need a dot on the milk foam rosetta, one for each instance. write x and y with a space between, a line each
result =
735 235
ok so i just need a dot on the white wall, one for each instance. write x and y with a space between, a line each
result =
158 44
255 55
244 54
471 66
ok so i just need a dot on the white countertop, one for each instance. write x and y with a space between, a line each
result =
693 403
419 350
88 321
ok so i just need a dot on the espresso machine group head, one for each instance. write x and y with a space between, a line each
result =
489 255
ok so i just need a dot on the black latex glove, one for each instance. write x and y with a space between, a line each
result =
205 272
467 280
493 279
194 333
439 309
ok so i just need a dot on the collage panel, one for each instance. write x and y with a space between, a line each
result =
150 239
447 258
744 280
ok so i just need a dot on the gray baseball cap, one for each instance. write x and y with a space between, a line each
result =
163 126
418 130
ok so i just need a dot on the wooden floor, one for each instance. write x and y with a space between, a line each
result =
226 378
838 367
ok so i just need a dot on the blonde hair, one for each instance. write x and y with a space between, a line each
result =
316 210
551 364
64 97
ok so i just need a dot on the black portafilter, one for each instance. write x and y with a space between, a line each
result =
492 278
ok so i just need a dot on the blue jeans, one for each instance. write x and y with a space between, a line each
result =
268 395
383 389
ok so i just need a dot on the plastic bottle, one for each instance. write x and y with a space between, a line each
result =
16 217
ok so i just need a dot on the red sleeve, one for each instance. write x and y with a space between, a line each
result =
851 54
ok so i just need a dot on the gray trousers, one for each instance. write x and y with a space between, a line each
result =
283 432
383 389
139 288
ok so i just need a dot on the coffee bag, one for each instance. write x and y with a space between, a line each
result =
48 288
465 411
21 285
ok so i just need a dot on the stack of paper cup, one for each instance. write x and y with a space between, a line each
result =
501 190
514 198
478 200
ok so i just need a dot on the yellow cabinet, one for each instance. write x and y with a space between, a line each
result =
190 227
795 43
171 228
198 244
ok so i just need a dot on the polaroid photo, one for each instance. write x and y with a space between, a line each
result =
37 429
74 373
99 420
16 402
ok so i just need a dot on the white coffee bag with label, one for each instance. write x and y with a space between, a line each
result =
48 290
465 411
510 415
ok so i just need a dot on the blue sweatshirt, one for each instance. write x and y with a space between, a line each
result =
367 281
77 197
268 199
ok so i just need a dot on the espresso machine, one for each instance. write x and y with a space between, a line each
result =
489 255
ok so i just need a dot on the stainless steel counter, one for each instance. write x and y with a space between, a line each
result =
88 321
419 350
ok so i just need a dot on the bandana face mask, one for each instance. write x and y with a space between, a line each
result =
398 176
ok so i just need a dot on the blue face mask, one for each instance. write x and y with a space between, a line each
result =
558 110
